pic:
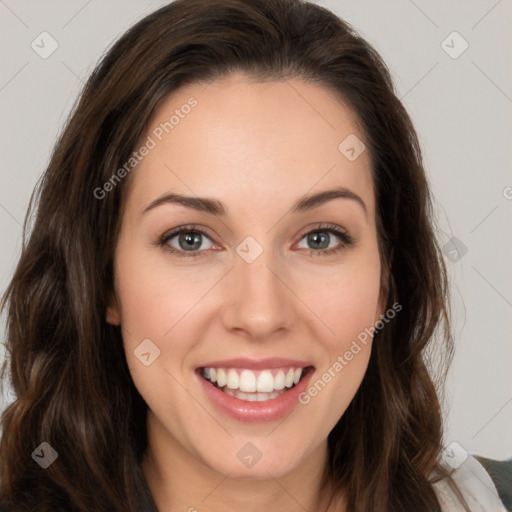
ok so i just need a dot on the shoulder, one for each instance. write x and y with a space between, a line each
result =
476 486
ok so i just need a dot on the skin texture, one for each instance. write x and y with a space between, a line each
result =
257 148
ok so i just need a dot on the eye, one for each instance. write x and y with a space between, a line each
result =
321 238
188 243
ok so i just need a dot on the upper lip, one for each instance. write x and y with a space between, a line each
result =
257 364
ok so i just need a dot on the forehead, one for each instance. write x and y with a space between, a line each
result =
250 143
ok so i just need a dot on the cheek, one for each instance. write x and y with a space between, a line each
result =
152 316
152 303
347 303
159 304
345 299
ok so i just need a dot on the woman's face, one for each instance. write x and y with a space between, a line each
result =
248 292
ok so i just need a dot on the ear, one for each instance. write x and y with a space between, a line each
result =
113 315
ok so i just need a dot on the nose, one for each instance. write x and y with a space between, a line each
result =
260 301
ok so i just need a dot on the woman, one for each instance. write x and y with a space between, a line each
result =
177 338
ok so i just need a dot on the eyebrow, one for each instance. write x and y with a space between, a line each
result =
215 207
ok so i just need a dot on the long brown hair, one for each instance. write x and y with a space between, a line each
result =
67 365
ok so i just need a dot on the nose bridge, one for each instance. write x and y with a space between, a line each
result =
261 302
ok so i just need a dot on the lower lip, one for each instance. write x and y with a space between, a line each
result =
256 412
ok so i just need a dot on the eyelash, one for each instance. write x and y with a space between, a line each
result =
347 240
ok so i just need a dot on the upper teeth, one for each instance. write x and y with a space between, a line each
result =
264 381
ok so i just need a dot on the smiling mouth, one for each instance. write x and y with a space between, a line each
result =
254 385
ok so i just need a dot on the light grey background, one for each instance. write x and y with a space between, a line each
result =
462 109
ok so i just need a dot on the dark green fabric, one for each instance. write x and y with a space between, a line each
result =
501 473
